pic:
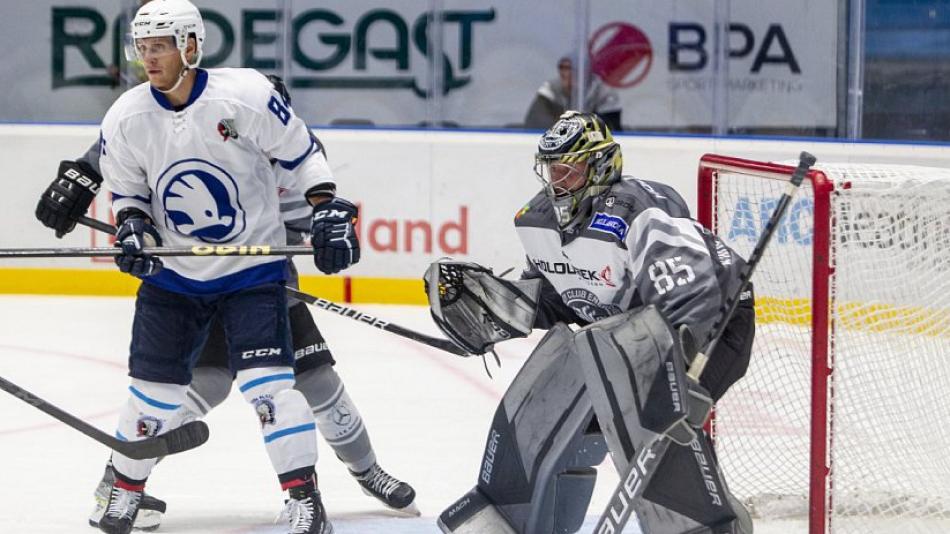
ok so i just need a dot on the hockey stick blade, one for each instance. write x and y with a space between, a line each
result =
356 315
177 440
639 473
184 438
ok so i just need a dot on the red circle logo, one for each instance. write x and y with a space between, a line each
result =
620 54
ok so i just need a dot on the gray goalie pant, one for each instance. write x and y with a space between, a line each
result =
537 475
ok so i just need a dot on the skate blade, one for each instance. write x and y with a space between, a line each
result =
410 510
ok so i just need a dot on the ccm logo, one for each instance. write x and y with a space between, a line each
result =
259 353
329 213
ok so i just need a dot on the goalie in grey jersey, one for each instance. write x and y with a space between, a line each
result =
621 258
337 418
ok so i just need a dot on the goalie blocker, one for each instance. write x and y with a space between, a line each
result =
615 385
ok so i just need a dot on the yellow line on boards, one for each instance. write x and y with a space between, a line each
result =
108 282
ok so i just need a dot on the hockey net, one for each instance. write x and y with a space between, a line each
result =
843 419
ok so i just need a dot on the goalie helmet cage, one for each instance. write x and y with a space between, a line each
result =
841 422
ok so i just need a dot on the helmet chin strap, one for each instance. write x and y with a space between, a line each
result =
181 75
181 78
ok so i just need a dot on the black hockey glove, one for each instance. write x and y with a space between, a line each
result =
135 233
333 235
68 196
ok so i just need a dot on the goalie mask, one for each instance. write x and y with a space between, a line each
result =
577 159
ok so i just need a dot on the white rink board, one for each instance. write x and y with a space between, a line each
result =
405 178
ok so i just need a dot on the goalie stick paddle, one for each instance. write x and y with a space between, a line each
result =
643 466
330 306
323 304
183 438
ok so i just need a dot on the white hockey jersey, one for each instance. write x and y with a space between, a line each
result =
203 173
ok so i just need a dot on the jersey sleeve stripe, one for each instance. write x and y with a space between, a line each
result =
291 165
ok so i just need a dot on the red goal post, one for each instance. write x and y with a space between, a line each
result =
842 423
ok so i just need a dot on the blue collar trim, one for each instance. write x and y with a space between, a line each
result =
201 81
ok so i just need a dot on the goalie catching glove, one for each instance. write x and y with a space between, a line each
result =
476 309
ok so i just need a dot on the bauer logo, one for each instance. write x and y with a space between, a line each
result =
621 54
706 470
200 200
490 452
626 493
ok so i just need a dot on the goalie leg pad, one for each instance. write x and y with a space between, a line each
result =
634 367
688 495
635 374
532 471
473 514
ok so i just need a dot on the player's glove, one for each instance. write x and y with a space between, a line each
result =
333 235
135 233
68 196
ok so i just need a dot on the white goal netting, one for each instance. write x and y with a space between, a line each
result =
888 348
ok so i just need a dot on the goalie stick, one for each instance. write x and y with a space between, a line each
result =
183 438
330 306
323 304
643 466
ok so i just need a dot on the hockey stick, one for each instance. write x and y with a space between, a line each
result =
96 224
642 468
183 438
199 250
323 304
441 344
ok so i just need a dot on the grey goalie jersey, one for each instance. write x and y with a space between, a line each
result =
636 246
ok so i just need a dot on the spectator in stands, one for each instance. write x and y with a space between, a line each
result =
556 96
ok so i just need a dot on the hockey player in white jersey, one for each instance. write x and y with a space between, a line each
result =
69 196
186 156
621 258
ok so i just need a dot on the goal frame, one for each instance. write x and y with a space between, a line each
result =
822 301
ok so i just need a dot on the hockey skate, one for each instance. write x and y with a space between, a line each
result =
304 509
391 491
121 511
151 509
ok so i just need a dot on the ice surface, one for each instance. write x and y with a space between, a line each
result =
427 413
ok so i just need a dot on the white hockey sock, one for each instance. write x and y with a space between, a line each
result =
286 421
152 409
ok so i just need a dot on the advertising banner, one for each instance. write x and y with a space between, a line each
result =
480 66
